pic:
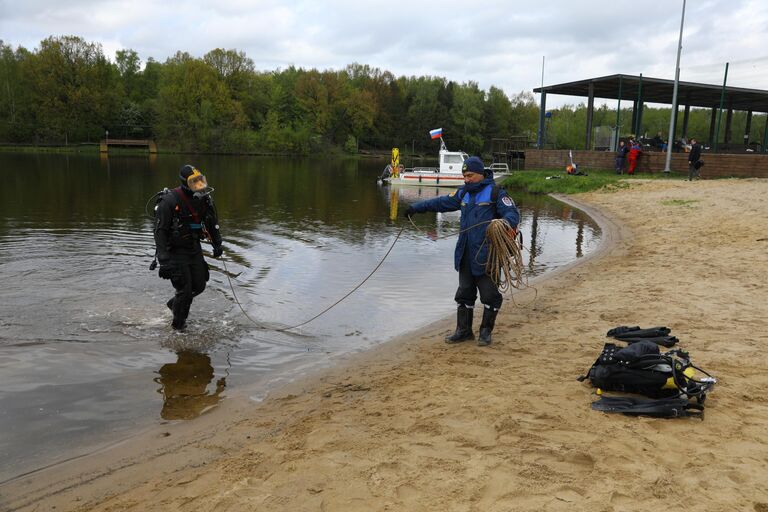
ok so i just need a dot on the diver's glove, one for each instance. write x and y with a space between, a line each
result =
218 250
410 212
167 270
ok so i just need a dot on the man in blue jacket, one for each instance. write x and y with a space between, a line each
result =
480 201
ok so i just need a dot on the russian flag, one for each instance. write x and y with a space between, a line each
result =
436 133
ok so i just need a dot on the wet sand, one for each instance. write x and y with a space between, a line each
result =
420 425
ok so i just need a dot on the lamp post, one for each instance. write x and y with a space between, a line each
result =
673 114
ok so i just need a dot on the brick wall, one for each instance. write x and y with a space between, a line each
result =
715 165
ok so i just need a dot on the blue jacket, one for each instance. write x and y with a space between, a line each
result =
474 201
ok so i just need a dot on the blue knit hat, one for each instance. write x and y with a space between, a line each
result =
473 164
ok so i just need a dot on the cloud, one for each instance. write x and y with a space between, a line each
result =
493 43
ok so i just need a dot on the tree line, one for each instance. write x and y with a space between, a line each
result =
67 91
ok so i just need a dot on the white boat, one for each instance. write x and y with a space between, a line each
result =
447 175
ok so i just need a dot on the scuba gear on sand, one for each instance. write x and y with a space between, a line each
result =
673 407
641 368
669 379
636 332
658 335
664 341
486 326
463 326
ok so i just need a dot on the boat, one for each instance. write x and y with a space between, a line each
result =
448 174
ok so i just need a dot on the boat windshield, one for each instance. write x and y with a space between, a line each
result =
464 156
453 159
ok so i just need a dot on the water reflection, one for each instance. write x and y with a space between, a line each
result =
548 226
184 386
75 246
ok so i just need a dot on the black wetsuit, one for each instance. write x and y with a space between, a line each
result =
182 220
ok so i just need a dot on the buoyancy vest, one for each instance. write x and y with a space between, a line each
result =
188 222
488 195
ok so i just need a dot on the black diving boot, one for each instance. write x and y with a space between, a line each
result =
486 326
180 312
463 326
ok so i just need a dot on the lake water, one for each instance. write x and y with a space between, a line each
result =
87 354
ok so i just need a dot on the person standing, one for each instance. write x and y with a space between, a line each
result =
621 157
694 160
634 154
183 217
480 201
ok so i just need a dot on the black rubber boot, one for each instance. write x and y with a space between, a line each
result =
463 326
486 326
170 303
180 310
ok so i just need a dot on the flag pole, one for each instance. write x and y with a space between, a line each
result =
673 113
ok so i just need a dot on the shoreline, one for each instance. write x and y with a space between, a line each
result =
238 407
416 424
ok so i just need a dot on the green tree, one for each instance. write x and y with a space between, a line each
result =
467 116
74 89
194 108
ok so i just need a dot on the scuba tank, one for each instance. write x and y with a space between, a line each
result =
641 368
159 196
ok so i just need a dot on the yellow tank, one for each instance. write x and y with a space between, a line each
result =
670 384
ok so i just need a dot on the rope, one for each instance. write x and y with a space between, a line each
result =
353 290
505 265
449 235
509 258
505 260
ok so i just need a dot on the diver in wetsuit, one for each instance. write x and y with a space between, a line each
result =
185 216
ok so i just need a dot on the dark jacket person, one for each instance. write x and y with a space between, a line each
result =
185 216
480 201
694 160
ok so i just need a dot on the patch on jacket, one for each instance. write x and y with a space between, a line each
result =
507 201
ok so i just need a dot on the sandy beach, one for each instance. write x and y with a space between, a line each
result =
421 425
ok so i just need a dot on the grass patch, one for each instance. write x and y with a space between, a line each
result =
688 203
535 181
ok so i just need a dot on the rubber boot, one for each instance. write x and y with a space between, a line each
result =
170 303
486 326
463 326
180 311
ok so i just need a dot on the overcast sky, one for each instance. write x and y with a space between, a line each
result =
490 42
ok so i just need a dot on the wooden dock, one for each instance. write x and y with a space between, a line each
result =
105 143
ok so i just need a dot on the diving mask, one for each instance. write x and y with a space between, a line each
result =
196 181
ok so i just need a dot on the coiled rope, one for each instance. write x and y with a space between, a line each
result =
505 259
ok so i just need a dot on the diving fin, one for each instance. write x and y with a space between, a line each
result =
674 407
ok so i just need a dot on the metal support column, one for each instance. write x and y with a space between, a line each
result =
686 115
720 110
748 128
673 131
765 134
542 112
638 108
728 123
634 118
618 118
590 112
712 124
